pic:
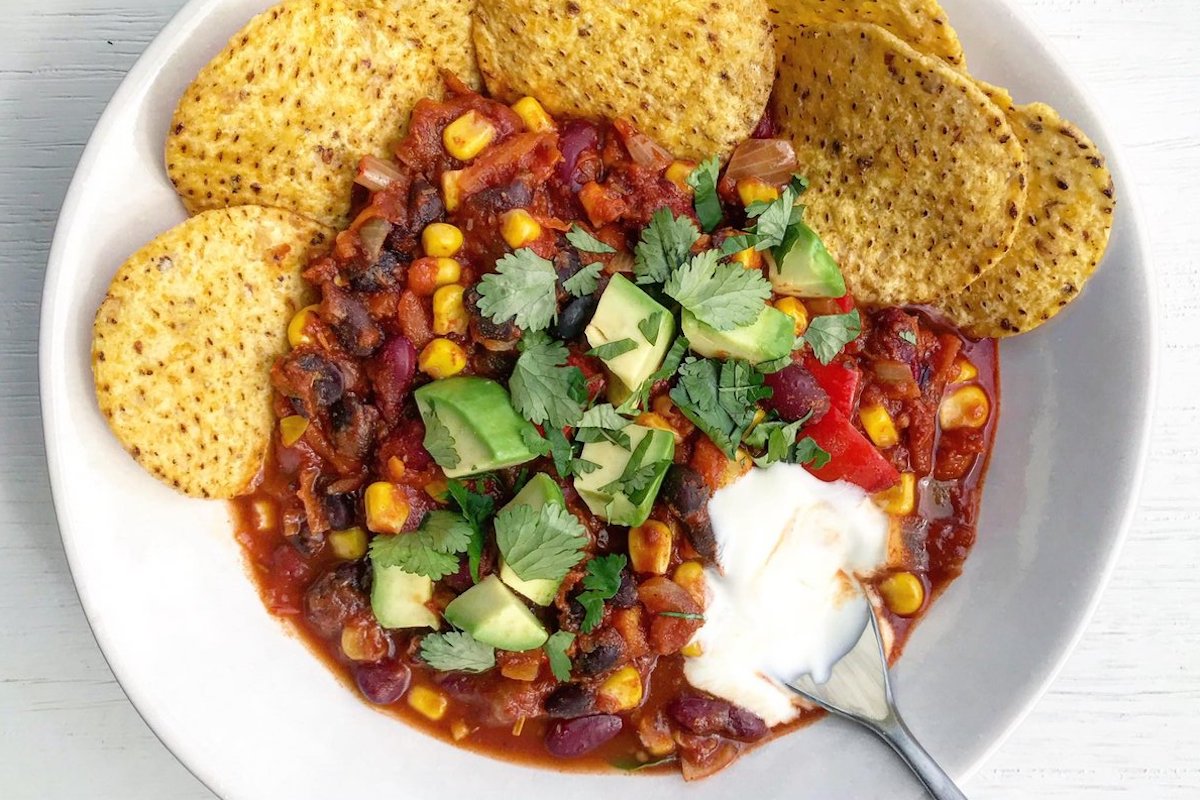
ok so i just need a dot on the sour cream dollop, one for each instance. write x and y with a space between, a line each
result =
783 601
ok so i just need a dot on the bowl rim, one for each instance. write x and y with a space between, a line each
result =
183 25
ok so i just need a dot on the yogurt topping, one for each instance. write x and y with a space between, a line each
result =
783 601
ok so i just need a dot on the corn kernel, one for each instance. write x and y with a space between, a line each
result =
466 136
901 499
690 575
748 258
363 641
650 547
291 428
442 358
879 425
754 190
966 371
519 228
652 419
533 115
518 726
448 272
295 330
796 310
449 313
451 193
265 515
386 506
438 489
428 702
655 735
622 690
396 468
678 174
692 650
903 592
460 730
349 544
967 407
441 240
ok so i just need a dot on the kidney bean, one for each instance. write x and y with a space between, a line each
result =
706 716
573 738
383 683
796 394
569 701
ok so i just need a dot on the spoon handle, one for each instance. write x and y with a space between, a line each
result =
937 782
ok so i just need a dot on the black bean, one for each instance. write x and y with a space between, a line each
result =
598 660
626 596
383 683
569 701
575 317
572 738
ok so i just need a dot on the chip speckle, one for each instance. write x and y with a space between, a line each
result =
921 23
207 361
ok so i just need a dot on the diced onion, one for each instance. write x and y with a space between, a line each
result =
376 174
644 151
372 235
890 371
770 160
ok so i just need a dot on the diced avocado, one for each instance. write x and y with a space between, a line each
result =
771 336
540 490
623 311
597 487
491 613
398 599
802 267
487 432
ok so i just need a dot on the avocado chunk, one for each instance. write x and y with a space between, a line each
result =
486 433
771 336
623 312
602 488
491 613
540 490
398 598
802 267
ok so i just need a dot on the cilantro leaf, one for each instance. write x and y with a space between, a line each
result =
534 441
585 281
810 453
775 219
908 336
636 478
827 335
521 289
476 508
438 439
431 550
664 245
602 581
545 390
602 423
457 651
651 325
542 544
607 352
703 181
556 650
721 398
563 453
586 242
724 296
681 615
671 362
738 243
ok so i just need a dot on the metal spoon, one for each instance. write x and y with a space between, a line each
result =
859 690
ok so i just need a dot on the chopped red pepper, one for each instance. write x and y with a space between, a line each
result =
852 457
845 303
840 382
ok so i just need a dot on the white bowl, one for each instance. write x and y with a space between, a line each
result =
257 717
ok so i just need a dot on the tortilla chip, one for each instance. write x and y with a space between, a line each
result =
1062 238
918 182
183 344
283 114
921 23
694 75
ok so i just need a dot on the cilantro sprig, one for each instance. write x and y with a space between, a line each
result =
586 242
522 289
721 295
703 181
542 544
828 335
556 652
585 281
602 581
602 423
476 509
665 245
439 442
457 651
544 389
779 441
432 550
721 398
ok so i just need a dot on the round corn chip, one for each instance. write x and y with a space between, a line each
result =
921 23
1062 237
917 180
284 113
183 343
694 75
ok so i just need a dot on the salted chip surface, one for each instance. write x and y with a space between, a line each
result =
917 180
694 75
183 344
921 23
283 114
1063 234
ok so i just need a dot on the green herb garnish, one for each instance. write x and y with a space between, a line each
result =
457 651
544 389
651 325
556 651
602 423
601 583
778 441
681 615
908 336
522 289
720 398
476 509
828 335
585 281
609 351
665 245
438 439
703 181
432 550
542 544
722 295
586 242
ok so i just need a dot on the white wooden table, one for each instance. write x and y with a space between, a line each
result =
1120 721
